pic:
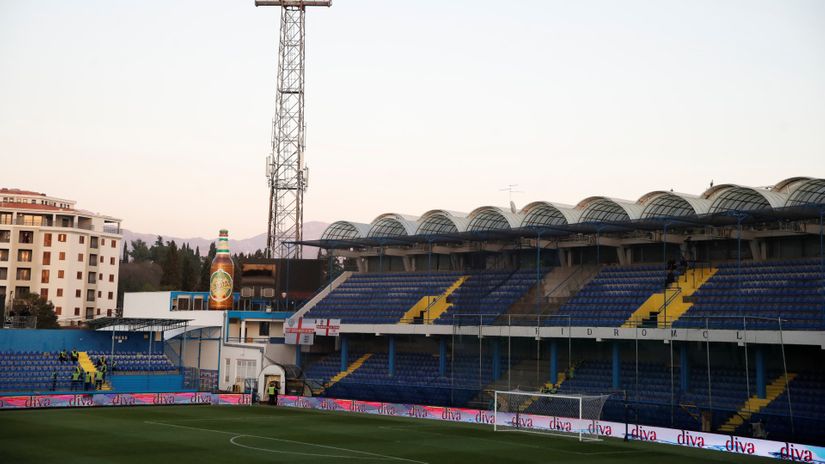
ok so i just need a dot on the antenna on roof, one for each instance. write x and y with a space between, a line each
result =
511 189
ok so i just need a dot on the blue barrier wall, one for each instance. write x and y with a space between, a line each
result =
83 340
147 383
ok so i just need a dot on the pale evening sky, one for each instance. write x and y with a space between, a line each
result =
159 112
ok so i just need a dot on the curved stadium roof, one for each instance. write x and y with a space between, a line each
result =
793 194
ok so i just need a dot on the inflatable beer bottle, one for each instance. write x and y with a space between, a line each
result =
220 275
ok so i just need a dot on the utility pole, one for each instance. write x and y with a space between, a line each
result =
286 170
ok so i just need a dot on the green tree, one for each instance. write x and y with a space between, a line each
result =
190 268
140 251
206 266
33 304
158 251
171 279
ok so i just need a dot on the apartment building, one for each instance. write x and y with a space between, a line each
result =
67 255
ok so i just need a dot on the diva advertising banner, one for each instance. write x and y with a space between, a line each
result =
710 441
121 399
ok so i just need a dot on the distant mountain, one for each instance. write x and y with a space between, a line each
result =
312 231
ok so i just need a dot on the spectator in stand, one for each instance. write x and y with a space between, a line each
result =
75 355
89 382
98 380
63 357
76 378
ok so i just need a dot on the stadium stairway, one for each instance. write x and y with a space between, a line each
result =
686 284
350 369
755 404
88 366
431 307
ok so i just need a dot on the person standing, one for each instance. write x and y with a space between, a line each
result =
89 383
75 355
54 380
76 378
272 394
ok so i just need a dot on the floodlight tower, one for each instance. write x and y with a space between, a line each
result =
285 168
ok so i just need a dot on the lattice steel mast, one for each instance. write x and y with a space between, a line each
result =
285 168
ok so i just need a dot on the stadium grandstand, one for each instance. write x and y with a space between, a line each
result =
697 312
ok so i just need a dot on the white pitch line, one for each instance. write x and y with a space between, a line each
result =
365 453
316 455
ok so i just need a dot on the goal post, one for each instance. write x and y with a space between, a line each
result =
548 413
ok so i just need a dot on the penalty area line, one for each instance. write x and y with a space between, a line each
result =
236 435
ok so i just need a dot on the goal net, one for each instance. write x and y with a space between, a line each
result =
566 415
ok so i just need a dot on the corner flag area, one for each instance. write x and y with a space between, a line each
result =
255 434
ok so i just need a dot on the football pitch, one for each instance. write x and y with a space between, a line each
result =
252 434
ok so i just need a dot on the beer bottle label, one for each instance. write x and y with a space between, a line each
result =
220 286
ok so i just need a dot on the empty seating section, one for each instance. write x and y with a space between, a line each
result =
385 298
807 405
486 295
135 361
416 379
612 296
380 298
793 290
33 371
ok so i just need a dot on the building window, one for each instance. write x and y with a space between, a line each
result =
47 258
111 277
98 311
44 293
90 295
82 239
109 312
59 292
100 294
93 242
62 256
263 329
4 255
61 237
60 274
47 239
100 276
80 257
77 293
111 295
26 236
92 260
103 242
24 273
5 236
92 278
44 276
114 243
77 311
24 256
4 273
79 275
58 310
112 260
247 369
90 313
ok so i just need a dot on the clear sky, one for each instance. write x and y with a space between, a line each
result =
159 111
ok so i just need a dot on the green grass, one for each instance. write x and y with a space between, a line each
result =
205 434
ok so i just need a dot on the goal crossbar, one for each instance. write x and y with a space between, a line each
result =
548 413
